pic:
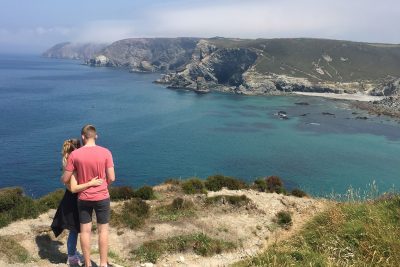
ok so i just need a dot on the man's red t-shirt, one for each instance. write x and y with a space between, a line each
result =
89 162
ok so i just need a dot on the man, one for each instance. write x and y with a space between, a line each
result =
87 162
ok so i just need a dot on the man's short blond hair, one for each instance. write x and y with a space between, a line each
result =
89 131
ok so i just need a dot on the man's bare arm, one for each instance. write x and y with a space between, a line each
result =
66 177
110 175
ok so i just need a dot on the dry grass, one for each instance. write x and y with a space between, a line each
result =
348 234
12 251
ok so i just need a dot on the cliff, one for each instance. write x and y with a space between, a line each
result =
147 54
173 224
69 50
261 66
256 66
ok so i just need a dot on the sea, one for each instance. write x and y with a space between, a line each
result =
325 146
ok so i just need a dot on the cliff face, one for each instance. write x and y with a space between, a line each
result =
286 65
212 68
69 50
147 54
256 66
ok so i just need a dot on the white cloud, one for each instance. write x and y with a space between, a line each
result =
104 31
358 20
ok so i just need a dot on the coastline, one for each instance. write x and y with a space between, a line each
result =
354 97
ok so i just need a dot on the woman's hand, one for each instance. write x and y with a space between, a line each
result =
96 181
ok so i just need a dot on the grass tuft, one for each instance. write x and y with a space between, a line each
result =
179 208
199 243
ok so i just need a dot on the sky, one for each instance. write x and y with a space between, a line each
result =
32 26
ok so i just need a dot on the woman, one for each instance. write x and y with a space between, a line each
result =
67 216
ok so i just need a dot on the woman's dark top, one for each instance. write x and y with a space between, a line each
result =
67 216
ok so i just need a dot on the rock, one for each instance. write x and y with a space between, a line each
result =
328 113
181 259
99 61
302 103
389 87
282 115
150 54
361 118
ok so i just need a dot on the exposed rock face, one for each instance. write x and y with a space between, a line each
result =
389 87
69 50
279 66
259 66
213 68
148 54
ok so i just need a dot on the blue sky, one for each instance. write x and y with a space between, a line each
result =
31 26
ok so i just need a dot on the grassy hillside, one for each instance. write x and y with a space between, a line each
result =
322 59
347 234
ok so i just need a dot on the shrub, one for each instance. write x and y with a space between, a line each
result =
217 182
274 183
50 201
199 243
284 219
298 193
260 185
180 204
121 193
15 205
237 201
10 197
145 193
193 186
132 215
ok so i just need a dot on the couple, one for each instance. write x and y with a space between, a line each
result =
87 171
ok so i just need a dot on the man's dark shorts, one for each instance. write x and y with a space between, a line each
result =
101 208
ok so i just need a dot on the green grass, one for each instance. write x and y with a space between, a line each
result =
179 208
295 57
12 251
347 234
199 243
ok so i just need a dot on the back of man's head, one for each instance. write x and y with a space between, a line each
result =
89 131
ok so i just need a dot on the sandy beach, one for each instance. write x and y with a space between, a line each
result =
356 97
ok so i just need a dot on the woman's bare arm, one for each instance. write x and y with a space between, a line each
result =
74 187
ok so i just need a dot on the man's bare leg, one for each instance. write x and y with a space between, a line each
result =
103 243
86 230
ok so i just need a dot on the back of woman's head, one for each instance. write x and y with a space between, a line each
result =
69 146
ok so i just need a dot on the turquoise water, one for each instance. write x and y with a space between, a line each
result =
156 133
